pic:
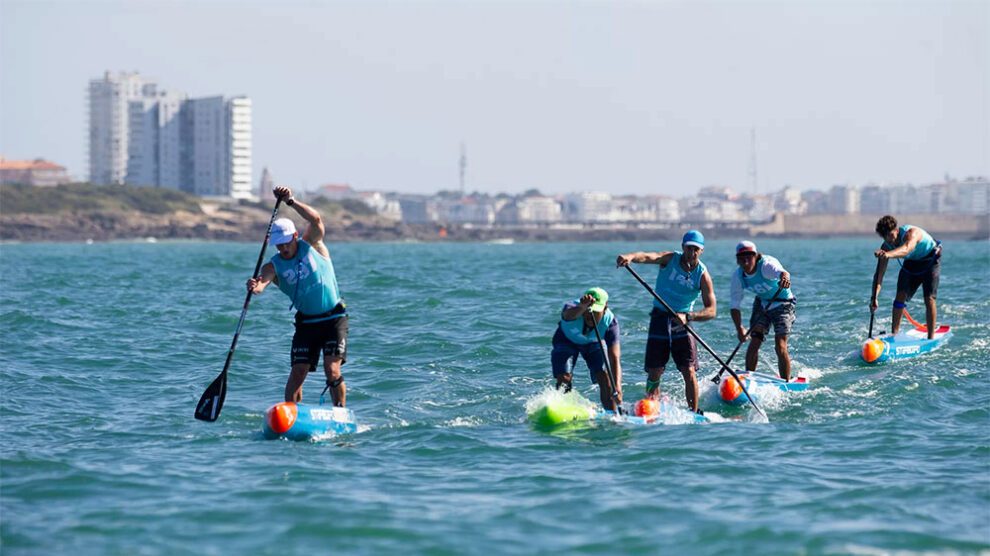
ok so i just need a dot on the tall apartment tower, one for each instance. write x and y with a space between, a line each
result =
141 135
219 136
109 123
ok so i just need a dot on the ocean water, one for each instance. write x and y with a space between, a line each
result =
106 349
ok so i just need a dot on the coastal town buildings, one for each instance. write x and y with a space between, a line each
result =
710 205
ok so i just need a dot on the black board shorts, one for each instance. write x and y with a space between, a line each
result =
922 272
328 337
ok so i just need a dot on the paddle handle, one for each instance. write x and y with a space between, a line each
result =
697 338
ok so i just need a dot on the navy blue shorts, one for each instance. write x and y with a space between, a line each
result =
924 273
667 337
564 355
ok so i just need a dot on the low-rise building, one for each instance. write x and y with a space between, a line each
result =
38 172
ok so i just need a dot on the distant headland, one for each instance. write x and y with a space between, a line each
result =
84 212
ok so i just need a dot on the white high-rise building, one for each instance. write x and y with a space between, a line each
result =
239 137
109 123
142 136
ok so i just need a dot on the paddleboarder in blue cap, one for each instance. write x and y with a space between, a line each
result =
681 280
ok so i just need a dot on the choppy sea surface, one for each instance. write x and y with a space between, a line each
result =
106 348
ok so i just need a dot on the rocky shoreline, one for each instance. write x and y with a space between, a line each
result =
232 222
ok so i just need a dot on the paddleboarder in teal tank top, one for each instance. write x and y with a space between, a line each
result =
681 280
576 335
920 267
774 303
302 269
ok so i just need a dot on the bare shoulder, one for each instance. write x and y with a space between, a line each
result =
321 248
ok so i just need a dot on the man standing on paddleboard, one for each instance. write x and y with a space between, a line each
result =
921 254
584 324
302 269
682 278
774 303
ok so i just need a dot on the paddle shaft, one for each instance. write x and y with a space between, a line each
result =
216 392
746 335
608 365
697 338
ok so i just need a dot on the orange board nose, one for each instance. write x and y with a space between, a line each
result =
646 408
281 416
730 389
872 350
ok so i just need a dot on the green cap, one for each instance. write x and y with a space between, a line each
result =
600 296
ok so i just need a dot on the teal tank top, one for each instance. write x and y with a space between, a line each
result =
764 287
678 288
308 279
923 248
574 329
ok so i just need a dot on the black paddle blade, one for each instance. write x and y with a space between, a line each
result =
210 404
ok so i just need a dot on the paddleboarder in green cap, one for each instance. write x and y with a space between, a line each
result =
584 324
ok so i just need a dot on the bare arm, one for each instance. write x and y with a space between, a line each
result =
737 321
258 285
646 257
315 230
877 282
574 313
615 357
708 297
910 242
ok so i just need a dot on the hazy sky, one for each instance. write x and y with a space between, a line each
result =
644 97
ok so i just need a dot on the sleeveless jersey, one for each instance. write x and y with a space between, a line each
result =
922 249
308 279
679 288
574 329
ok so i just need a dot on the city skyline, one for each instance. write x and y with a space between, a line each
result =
632 98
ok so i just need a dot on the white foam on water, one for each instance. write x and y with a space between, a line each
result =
472 421
550 395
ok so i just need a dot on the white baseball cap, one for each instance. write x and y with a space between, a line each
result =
283 230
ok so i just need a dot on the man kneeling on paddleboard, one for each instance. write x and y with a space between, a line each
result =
774 303
584 325
302 269
921 254
681 280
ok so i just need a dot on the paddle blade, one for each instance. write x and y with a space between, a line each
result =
210 404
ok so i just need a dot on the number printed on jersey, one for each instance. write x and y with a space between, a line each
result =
683 280
305 268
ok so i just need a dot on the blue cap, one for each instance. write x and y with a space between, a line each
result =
694 237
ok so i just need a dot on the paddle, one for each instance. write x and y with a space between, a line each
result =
211 402
698 339
717 378
608 366
766 307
